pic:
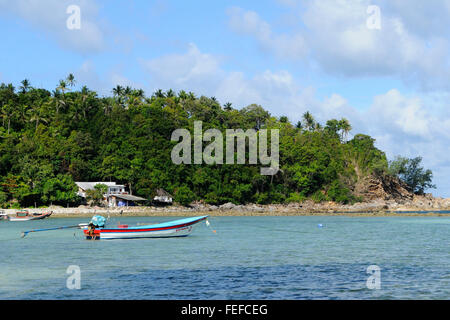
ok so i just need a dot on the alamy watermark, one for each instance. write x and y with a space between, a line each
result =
73 22
74 280
213 152
374 280
374 19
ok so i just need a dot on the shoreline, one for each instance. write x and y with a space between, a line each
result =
241 214
189 212
418 206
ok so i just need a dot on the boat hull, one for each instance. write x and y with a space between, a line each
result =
29 218
178 228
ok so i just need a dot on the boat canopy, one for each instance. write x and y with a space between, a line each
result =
98 221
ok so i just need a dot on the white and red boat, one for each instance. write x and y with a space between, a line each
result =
25 215
176 228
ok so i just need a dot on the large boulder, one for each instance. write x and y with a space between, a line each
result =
227 206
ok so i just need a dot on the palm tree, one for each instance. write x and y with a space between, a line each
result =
36 115
62 86
118 91
6 114
309 121
183 95
25 85
85 93
22 111
317 126
59 100
11 88
108 102
70 80
227 106
136 97
191 95
345 127
159 94
140 93
127 91
170 93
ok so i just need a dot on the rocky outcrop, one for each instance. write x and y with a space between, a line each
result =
383 188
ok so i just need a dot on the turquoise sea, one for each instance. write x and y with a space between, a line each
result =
247 258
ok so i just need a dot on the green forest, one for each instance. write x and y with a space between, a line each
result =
49 139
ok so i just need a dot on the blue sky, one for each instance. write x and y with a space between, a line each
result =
289 56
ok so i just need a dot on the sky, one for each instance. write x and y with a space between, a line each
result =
384 65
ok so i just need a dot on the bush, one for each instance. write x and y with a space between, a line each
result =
3 199
14 205
262 198
338 193
184 195
96 195
318 196
212 198
295 197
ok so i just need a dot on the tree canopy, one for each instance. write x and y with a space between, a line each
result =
48 140
412 173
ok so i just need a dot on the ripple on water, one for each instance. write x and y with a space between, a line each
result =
248 258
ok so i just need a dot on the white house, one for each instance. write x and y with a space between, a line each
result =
115 196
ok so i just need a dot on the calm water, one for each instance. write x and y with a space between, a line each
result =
247 258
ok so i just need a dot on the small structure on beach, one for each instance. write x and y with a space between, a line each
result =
115 196
162 197
123 200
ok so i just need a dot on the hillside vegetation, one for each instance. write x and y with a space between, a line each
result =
48 140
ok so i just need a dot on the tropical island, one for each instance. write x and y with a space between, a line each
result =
51 139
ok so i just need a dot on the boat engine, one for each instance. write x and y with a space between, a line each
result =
96 222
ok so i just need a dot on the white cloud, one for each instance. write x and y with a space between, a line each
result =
178 71
283 45
406 115
343 44
335 35
423 18
50 16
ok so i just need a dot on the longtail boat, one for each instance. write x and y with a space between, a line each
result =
176 228
26 216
